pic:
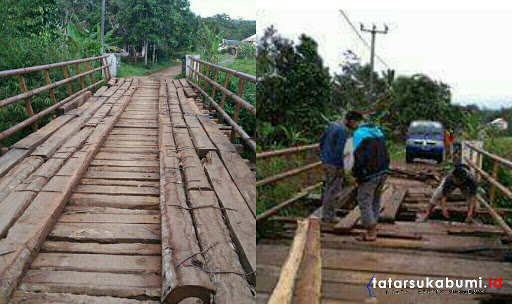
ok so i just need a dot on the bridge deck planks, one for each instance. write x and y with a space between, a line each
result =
104 222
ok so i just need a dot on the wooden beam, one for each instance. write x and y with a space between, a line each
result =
283 293
309 282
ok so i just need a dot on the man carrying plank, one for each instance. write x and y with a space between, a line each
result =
461 178
332 147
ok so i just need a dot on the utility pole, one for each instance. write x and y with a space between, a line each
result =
102 26
373 31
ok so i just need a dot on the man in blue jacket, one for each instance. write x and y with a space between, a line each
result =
332 146
371 163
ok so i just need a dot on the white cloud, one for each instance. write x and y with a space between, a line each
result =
245 9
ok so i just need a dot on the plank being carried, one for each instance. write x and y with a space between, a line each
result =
391 200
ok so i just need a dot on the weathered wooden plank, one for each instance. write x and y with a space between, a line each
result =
75 103
179 240
242 175
106 232
114 201
220 140
239 218
92 283
97 263
309 281
133 138
97 248
106 210
348 222
200 139
12 207
11 159
109 218
29 231
124 169
36 138
110 182
122 175
283 292
52 144
212 231
122 190
125 156
18 174
124 163
67 298
184 82
391 203
100 91
195 177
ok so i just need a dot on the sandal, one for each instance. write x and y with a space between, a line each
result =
366 238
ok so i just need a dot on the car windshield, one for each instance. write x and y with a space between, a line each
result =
425 128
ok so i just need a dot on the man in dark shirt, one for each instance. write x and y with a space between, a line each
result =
332 147
461 178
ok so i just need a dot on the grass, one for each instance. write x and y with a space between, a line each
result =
243 65
138 69
272 194
224 57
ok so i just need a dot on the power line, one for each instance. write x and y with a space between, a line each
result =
362 39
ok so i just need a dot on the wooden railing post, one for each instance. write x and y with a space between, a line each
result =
213 89
223 100
237 108
495 168
68 85
205 87
190 70
108 68
78 73
52 95
28 105
88 65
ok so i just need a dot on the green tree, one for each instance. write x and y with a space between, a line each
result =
293 90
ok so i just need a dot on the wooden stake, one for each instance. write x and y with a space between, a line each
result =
52 95
213 89
108 68
88 65
81 78
28 105
237 107
223 100
495 168
68 85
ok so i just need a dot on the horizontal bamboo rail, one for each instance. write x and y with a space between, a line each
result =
27 94
247 139
286 174
287 151
235 73
224 90
195 78
495 184
274 210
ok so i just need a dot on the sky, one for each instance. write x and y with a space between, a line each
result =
469 50
236 9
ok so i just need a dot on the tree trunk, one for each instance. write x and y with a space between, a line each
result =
154 49
145 53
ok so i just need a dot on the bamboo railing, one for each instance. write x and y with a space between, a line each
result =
494 183
203 81
289 173
27 94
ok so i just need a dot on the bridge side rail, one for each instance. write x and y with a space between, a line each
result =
286 174
195 78
26 94
494 183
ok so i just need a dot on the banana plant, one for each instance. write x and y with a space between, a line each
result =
88 42
210 42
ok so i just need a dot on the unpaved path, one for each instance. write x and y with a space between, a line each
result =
169 72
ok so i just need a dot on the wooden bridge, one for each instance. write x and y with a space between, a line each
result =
328 264
136 194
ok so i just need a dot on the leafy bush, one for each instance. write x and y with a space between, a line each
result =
246 51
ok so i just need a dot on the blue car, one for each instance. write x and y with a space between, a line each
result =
425 139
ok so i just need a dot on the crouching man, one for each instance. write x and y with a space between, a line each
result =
461 178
